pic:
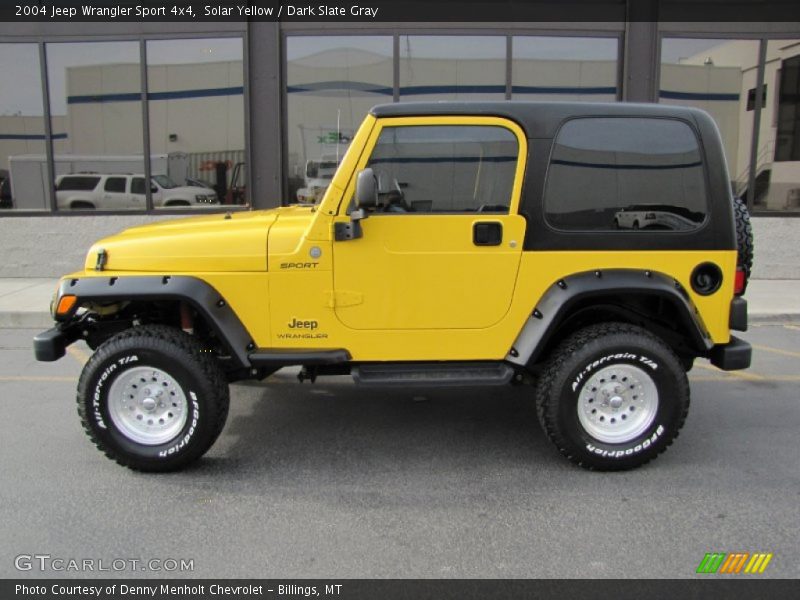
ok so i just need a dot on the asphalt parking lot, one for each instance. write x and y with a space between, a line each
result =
331 480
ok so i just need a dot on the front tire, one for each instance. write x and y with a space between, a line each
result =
612 397
152 399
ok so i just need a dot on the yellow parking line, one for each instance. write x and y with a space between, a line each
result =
746 375
35 378
794 327
78 354
776 351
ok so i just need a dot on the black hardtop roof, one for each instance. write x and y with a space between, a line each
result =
539 119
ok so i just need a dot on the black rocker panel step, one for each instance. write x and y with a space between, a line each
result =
284 358
433 374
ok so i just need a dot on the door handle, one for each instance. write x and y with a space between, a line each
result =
487 233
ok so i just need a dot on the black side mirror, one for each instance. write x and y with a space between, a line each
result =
366 197
366 189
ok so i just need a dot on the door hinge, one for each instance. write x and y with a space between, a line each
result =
343 298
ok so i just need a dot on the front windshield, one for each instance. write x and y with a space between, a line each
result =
164 181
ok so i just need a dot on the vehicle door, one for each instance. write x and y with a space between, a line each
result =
115 193
138 192
442 248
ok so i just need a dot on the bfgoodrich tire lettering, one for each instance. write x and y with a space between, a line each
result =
178 418
582 390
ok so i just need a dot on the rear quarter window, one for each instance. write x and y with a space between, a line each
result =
77 184
625 174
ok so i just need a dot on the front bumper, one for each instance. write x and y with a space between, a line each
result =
52 344
733 356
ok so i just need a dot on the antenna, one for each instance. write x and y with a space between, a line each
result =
338 133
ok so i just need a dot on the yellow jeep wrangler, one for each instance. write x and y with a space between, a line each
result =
592 250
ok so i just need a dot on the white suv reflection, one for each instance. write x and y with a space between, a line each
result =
112 191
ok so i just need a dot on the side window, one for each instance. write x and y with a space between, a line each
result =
77 184
445 168
137 185
628 173
115 185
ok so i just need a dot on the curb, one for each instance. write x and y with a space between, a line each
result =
773 318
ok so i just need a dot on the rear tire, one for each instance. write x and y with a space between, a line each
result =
612 397
151 399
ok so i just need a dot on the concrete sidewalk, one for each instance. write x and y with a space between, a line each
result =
26 302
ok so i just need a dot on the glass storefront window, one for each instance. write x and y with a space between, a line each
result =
578 69
331 83
452 67
96 118
197 135
717 76
778 167
23 165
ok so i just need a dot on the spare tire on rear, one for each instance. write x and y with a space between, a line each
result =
744 237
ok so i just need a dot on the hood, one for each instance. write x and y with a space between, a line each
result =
191 190
214 243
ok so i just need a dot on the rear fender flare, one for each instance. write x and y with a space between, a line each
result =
556 303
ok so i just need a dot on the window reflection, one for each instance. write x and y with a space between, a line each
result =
716 75
578 69
95 98
331 83
452 68
477 162
778 169
23 166
625 173
196 111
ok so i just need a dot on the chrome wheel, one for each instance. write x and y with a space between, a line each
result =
617 404
147 405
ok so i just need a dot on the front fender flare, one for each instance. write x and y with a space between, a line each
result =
196 292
